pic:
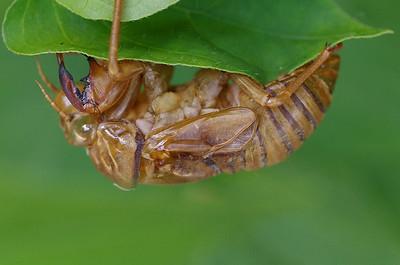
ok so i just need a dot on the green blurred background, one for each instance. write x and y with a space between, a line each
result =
335 201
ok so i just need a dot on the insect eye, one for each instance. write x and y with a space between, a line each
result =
80 130
86 128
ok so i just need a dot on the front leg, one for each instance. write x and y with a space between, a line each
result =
265 96
77 98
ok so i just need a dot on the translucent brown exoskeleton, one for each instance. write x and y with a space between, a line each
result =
217 123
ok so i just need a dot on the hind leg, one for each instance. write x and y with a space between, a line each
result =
265 98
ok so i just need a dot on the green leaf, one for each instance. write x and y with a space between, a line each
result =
260 38
103 9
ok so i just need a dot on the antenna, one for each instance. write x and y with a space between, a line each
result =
44 77
53 105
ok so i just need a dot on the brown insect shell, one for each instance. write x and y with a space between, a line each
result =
113 152
111 145
104 91
78 128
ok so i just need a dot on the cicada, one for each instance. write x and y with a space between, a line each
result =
137 128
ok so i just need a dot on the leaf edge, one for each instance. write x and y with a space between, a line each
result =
375 32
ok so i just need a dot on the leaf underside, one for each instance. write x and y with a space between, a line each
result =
103 9
260 38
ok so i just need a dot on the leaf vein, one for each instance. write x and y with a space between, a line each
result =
60 24
253 29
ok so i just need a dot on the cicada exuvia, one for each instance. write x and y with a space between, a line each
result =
217 123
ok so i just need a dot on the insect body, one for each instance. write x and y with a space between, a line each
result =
240 133
217 123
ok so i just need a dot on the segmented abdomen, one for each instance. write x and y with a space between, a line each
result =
282 129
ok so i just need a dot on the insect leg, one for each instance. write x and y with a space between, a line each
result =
44 77
113 66
259 93
73 94
120 70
